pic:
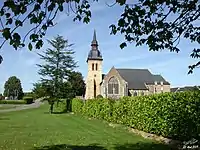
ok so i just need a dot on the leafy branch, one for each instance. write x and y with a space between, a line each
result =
150 23
40 14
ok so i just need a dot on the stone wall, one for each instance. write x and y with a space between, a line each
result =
139 92
94 75
122 84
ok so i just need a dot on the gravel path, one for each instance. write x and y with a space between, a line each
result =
36 104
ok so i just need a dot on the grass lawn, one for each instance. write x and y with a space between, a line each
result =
35 129
6 106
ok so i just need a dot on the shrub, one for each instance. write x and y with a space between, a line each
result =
29 100
99 96
173 115
12 102
30 94
77 105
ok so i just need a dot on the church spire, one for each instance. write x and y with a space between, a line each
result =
94 36
94 41
94 53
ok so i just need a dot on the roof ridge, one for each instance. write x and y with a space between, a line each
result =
131 69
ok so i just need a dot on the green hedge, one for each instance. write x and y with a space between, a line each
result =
28 99
12 102
77 105
173 115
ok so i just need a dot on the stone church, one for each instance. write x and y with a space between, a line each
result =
119 82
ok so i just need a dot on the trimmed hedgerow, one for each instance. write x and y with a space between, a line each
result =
173 115
28 99
12 102
77 105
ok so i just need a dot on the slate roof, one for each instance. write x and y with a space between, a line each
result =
94 53
137 78
186 88
173 89
160 79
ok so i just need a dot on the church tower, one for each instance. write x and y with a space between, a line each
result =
94 76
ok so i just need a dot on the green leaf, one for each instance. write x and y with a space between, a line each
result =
121 2
18 23
123 45
34 19
23 9
86 20
6 33
51 6
44 27
7 15
30 47
36 7
60 7
113 29
9 21
1 12
50 23
198 39
16 37
40 1
121 22
39 44
34 37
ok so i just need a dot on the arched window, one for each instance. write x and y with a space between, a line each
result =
135 93
92 66
113 86
142 93
96 66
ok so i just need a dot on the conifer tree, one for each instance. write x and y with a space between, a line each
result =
58 65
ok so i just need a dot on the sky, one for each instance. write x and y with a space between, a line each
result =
172 66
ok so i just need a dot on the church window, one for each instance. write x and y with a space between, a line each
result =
142 93
155 90
113 86
96 66
92 66
135 93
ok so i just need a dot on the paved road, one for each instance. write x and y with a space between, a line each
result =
36 104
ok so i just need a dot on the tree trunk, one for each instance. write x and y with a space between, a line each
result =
51 108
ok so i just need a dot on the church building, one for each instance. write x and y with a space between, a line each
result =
119 82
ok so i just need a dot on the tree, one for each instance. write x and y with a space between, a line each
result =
39 90
150 22
77 83
58 65
1 97
143 22
13 88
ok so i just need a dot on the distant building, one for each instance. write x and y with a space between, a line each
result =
119 82
186 88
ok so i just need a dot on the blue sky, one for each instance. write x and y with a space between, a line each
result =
172 66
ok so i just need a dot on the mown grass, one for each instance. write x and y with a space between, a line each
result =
6 106
36 129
